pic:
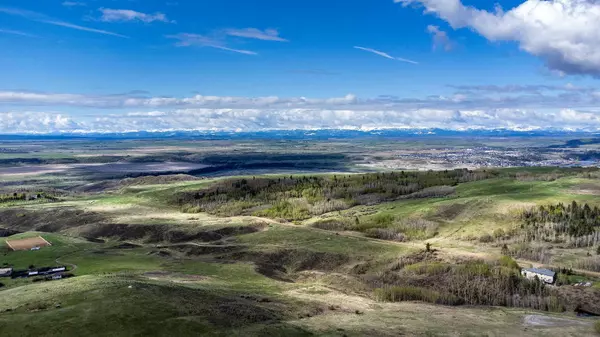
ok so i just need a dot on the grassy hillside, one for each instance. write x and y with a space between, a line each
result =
145 265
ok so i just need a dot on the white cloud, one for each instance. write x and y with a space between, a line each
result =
73 3
564 33
386 55
254 33
38 17
300 118
122 15
470 107
189 40
440 38
33 122
465 97
129 101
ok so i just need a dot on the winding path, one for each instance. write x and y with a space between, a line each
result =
73 266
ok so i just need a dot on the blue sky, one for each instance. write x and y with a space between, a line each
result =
121 65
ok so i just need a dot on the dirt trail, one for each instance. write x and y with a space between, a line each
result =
73 266
549 321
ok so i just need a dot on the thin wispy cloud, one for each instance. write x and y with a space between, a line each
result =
16 32
124 15
322 72
42 18
73 3
189 40
239 51
254 33
441 40
386 55
82 28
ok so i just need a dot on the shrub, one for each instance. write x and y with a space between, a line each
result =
563 280
529 252
400 294
590 263
509 262
486 238
324 206
335 224
424 268
385 234
383 220
499 233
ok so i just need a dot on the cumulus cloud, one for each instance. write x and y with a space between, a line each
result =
34 122
254 33
386 55
440 38
189 40
522 107
564 33
122 15
39 17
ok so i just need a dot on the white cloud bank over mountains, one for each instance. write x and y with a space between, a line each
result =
298 119
469 107
564 33
517 107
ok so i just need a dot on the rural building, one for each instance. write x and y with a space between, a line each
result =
545 275
38 272
5 272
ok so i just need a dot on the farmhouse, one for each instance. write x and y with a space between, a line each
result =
545 275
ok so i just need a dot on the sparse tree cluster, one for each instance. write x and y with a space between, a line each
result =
298 197
472 283
574 224
25 196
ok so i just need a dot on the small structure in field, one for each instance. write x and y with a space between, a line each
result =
38 272
544 275
28 244
5 272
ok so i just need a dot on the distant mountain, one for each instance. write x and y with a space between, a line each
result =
305 134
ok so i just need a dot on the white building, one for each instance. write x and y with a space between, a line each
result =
545 275
5 272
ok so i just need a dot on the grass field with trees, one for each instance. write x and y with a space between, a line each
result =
308 254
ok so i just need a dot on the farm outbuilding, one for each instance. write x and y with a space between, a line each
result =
544 275
5 272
